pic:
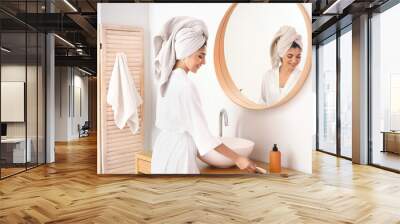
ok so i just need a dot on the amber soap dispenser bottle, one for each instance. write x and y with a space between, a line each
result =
275 160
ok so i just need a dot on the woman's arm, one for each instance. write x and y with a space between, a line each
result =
240 161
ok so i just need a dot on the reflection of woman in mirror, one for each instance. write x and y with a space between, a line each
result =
180 47
286 48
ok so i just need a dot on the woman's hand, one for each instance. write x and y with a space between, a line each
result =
240 161
245 163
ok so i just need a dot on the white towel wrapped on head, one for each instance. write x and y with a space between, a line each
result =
179 38
281 42
123 96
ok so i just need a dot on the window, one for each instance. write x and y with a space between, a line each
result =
385 89
22 76
395 102
327 97
346 94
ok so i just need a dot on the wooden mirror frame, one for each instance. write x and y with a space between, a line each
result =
224 77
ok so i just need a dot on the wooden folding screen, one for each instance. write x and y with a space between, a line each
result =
117 148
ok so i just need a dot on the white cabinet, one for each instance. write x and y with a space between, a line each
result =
18 149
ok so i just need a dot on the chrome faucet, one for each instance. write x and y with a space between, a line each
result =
224 114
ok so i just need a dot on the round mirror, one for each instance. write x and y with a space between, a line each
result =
263 52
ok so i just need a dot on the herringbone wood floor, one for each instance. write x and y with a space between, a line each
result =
69 191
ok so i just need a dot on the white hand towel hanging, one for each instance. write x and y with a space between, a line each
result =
123 96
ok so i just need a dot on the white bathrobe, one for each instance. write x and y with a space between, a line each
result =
123 96
270 90
184 130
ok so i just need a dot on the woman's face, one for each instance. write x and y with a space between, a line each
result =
196 60
292 57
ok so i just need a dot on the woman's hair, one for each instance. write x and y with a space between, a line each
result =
295 45
205 44
284 39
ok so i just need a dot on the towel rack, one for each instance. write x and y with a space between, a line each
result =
116 149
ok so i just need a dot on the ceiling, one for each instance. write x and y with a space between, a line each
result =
329 16
76 24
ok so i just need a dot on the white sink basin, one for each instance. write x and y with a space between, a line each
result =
241 146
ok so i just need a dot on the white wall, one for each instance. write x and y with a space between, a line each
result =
33 126
61 103
80 83
12 73
291 126
66 122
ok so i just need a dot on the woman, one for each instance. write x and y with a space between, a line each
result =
285 52
181 48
